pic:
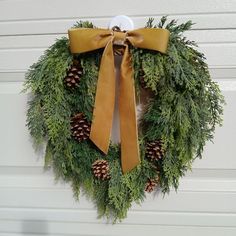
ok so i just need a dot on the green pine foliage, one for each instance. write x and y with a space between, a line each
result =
187 104
183 111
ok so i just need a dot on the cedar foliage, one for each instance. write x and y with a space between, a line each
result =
183 112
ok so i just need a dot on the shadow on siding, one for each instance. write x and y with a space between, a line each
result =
36 227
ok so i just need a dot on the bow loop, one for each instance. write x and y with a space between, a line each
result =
85 40
150 38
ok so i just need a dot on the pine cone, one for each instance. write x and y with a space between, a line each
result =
154 150
101 169
151 184
74 74
80 128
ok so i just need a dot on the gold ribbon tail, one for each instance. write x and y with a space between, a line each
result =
127 111
104 101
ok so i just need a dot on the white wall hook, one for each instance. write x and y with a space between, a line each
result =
123 22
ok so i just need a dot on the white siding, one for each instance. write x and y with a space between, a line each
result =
31 203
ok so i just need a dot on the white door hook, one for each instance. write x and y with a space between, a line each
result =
123 22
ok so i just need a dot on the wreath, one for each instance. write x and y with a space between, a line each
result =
181 107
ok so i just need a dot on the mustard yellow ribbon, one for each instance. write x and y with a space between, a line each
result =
87 39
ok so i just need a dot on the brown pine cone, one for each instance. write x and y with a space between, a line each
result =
80 128
101 169
154 150
74 74
151 184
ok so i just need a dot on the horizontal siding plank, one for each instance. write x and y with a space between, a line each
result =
183 201
45 180
44 41
218 72
134 217
17 76
28 41
211 36
15 10
34 234
60 26
39 178
28 234
20 59
88 229
223 55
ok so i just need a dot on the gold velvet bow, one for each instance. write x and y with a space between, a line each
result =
87 39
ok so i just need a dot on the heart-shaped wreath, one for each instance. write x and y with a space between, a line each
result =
182 106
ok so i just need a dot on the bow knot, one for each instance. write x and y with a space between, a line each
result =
85 40
119 37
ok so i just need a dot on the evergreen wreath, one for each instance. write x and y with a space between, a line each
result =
181 113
